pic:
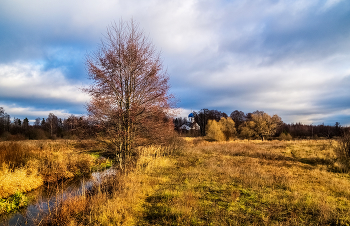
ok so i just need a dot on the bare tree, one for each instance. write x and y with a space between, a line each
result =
129 97
238 117
52 123
37 122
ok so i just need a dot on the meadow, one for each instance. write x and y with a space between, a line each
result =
220 183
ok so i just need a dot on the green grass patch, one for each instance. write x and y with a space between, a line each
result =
12 203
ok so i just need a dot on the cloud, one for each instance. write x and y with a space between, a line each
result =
25 86
31 81
32 113
284 57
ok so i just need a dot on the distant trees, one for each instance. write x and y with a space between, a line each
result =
130 100
204 115
4 121
255 125
238 117
52 123
52 127
227 126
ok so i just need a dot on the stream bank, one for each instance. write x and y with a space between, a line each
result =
46 198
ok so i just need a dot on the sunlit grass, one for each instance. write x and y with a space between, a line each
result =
225 183
18 180
26 165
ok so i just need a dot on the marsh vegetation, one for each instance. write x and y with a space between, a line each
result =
27 165
220 183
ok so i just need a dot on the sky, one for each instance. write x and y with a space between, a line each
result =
284 57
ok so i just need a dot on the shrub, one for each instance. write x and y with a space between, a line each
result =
343 151
285 136
5 135
36 134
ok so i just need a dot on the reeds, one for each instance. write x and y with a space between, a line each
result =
26 165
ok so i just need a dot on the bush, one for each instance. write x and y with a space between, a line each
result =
285 136
343 151
36 134
5 135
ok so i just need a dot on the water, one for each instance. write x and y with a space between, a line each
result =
44 199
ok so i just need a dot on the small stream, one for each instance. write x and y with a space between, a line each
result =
45 198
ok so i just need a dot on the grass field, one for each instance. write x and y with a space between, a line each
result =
228 183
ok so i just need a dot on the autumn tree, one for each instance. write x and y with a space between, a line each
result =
214 131
227 126
204 115
129 95
260 125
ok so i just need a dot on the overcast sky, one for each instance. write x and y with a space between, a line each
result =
287 57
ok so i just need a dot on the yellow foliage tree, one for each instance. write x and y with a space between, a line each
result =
214 131
261 125
247 131
227 126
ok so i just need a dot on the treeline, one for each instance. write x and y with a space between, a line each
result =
51 127
254 125
260 125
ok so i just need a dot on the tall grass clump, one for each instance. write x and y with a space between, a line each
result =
343 152
18 180
14 154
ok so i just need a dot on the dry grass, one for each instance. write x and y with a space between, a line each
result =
18 180
26 165
118 200
222 183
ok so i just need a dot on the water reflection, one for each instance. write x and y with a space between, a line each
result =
44 199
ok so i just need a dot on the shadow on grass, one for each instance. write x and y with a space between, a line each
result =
277 157
158 211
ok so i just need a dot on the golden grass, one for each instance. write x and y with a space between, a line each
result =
118 200
26 165
223 183
19 180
